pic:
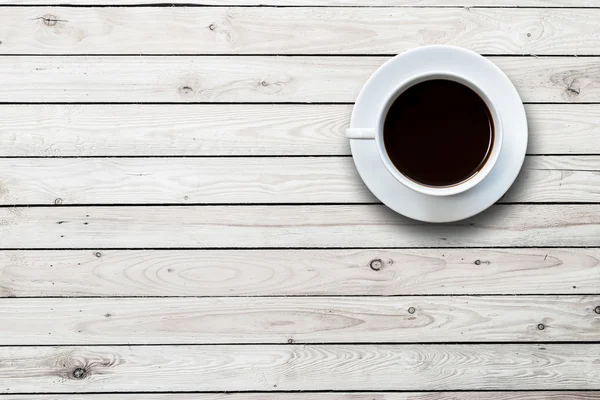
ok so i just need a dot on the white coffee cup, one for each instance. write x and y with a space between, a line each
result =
376 133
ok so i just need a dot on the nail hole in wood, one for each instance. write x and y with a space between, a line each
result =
376 264
411 310
58 201
212 27
541 327
597 310
98 254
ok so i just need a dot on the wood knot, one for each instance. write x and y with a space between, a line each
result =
477 262
573 89
186 90
49 20
376 264
58 201
541 327
98 254
264 83
79 373
411 310
597 310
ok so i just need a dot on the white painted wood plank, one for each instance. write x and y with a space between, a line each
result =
251 129
548 395
307 367
182 180
273 320
251 180
373 272
292 226
191 129
557 179
297 30
256 79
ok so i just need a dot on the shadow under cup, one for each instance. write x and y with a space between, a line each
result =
440 133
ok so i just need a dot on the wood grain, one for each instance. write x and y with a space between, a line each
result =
548 395
252 129
256 79
298 272
191 129
188 180
292 226
301 30
556 179
299 320
306 367
251 180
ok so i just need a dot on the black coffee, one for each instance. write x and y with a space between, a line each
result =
438 133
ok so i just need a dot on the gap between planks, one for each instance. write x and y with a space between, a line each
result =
311 395
310 3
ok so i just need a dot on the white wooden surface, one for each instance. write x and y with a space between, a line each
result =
298 30
300 367
247 180
70 130
358 272
298 319
180 217
256 79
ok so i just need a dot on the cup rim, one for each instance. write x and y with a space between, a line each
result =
457 188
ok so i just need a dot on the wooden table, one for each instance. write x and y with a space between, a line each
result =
180 213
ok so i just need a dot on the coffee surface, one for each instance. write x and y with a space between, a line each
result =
438 133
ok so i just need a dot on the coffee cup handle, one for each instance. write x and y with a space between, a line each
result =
361 133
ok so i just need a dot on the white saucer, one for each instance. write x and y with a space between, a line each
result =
501 92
